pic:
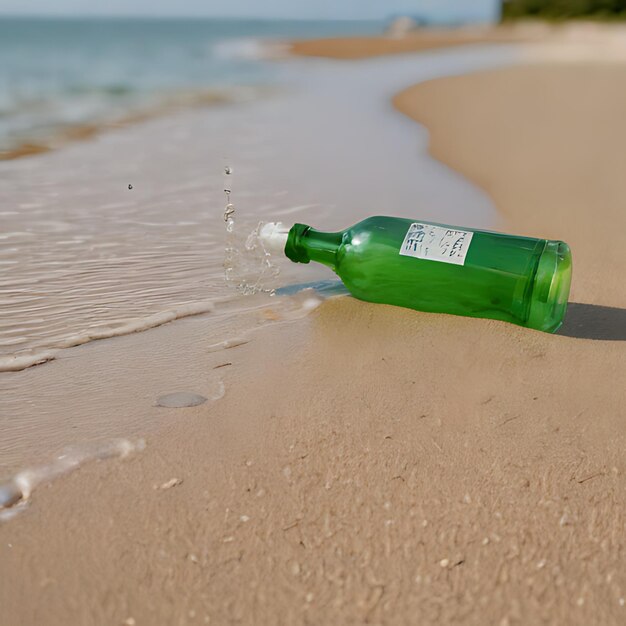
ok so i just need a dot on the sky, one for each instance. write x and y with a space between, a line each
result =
440 10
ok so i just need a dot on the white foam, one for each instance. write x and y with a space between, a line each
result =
15 493
20 361
249 49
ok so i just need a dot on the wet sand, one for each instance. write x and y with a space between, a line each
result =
418 41
369 464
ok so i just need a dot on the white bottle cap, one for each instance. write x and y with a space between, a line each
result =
273 236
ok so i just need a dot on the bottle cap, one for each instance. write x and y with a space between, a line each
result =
273 236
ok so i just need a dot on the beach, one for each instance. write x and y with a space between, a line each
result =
363 47
363 463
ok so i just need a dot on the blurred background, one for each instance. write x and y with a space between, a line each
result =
70 63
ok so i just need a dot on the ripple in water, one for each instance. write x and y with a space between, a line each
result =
118 267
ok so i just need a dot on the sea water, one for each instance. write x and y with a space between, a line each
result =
57 74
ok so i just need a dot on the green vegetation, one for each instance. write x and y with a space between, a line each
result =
564 9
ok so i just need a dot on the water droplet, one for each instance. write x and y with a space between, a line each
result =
228 212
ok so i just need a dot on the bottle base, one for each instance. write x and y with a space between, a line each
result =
551 288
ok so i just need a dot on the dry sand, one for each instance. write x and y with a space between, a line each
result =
560 41
375 465
430 39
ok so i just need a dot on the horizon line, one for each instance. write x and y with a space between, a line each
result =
190 16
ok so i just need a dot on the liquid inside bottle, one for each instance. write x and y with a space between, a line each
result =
444 269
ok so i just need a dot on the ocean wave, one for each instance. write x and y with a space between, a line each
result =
15 493
249 49
293 302
51 125
22 360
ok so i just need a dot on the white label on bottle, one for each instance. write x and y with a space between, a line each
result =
436 243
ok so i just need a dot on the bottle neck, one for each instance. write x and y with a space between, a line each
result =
306 244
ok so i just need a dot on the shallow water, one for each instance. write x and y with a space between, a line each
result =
57 73
85 257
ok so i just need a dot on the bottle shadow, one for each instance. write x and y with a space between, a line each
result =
583 321
324 288
593 321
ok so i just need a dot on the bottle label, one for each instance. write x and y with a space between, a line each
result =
436 243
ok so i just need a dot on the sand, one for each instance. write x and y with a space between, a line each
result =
370 464
562 150
425 39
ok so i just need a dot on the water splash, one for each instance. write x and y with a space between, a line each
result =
248 266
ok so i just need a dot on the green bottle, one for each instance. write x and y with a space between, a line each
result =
438 268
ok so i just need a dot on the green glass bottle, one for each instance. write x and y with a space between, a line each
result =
439 268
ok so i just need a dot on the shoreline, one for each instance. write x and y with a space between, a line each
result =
423 39
337 48
360 466
277 50
80 182
340 48
90 130
185 205
526 204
